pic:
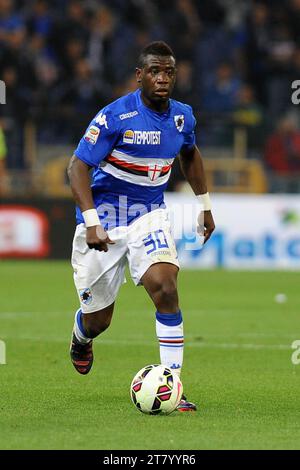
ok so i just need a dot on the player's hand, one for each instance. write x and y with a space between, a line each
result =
97 238
206 225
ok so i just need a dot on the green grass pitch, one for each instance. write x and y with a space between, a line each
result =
237 365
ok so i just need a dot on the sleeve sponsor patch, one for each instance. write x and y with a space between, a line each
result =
92 135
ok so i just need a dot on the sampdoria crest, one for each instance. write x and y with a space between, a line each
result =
179 122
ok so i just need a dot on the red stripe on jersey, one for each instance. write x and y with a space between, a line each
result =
133 166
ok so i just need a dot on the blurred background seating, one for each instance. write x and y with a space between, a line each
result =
62 61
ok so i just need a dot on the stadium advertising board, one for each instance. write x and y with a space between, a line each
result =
252 232
36 228
23 232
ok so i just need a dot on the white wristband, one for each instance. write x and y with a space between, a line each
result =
205 201
91 218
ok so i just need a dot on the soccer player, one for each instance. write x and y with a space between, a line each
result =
121 217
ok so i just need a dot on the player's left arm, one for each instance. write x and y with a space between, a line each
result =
192 167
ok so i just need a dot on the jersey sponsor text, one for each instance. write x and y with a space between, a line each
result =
128 115
142 137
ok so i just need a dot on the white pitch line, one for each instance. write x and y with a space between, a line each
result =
27 314
134 341
206 335
292 336
275 347
131 342
268 335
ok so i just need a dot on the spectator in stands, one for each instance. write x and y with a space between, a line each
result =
3 156
10 20
249 115
257 48
13 115
282 152
281 50
128 86
247 112
219 101
82 99
40 20
72 52
222 92
185 89
70 23
295 66
293 9
14 54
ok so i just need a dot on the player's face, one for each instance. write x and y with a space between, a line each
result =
157 78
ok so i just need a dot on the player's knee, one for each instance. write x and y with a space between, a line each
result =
168 289
164 287
166 297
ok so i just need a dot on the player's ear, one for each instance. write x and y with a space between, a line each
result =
138 74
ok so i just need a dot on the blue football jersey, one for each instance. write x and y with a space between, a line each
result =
132 149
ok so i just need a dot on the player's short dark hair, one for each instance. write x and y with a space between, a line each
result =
155 48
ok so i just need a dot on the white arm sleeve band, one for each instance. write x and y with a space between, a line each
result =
204 200
91 218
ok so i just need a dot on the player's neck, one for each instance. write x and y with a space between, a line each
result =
159 107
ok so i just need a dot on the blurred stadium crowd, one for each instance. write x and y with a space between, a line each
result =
63 60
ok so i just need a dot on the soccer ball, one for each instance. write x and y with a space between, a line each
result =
155 389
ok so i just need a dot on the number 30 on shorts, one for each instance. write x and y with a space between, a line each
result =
156 241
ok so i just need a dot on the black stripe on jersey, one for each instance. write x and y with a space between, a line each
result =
134 172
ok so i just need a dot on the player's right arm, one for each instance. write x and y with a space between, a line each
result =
78 172
98 141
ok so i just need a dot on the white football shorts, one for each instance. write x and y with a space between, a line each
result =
99 275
